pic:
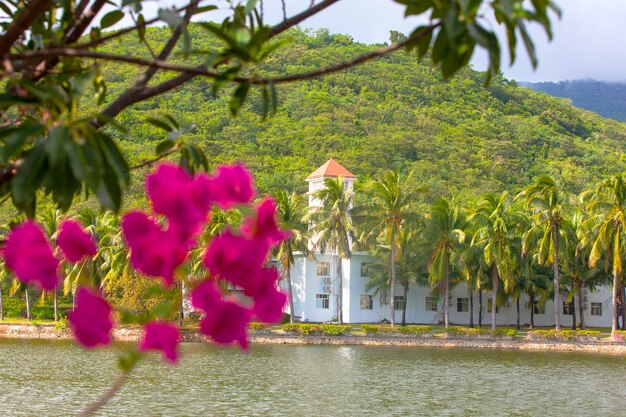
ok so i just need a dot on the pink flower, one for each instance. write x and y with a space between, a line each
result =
264 226
28 254
163 336
226 322
75 242
269 302
175 194
232 185
91 320
205 296
236 259
154 252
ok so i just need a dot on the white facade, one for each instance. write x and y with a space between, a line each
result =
315 285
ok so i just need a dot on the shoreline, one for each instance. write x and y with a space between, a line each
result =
133 334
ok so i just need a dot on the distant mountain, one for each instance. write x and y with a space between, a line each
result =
608 99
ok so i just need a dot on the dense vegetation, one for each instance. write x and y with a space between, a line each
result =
459 137
608 99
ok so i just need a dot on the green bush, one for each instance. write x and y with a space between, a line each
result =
61 325
475 332
256 326
563 335
306 329
395 330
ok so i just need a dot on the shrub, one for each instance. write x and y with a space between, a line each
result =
259 327
386 329
61 325
563 335
306 329
475 332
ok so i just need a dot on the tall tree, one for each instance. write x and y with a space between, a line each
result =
390 205
291 209
333 230
544 198
444 232
496 223
607 206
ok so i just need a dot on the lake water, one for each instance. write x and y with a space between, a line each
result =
56 378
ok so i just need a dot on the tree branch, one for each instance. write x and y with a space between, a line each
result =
106 396
22 22
203 71
300 17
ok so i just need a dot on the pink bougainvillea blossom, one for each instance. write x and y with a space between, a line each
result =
91 320
185 201
236 259
263 226
232 185
226 322
163 336
205 296
154 252
28 254
75 243
268 300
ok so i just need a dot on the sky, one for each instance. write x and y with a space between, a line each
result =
589 40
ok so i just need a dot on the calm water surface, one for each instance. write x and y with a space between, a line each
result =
44 378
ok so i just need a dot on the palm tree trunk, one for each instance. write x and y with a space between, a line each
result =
494 296
517 324
532 309
406 297
557 303
623 305
290 291
615 295
392 291
471 308
1 308
480 308
339 291
573 313
581 307
27 304
446 309
56 304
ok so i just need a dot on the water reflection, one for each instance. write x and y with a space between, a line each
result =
40 378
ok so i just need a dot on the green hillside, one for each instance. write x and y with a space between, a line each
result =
459 137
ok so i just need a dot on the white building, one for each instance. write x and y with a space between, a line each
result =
315 287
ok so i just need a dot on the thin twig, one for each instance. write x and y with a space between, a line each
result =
153 160
106 395
296 19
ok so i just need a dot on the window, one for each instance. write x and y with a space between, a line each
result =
367 302
462 305
489 302
365 268
568 308
539 308
321 301
323 269
596 309
398 302
431 304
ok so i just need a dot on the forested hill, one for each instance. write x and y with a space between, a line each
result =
608 99
457 136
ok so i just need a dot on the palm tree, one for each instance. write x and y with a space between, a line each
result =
333 229
389 208
291 208
470 264
49 219
444 232
544 199
608 210
496 223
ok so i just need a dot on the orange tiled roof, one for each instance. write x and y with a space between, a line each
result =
331 168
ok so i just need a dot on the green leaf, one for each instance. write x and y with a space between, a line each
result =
54 144
164 146
29 177
239 97
15 138
170 17
115 158
111 18
159 123
109 193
